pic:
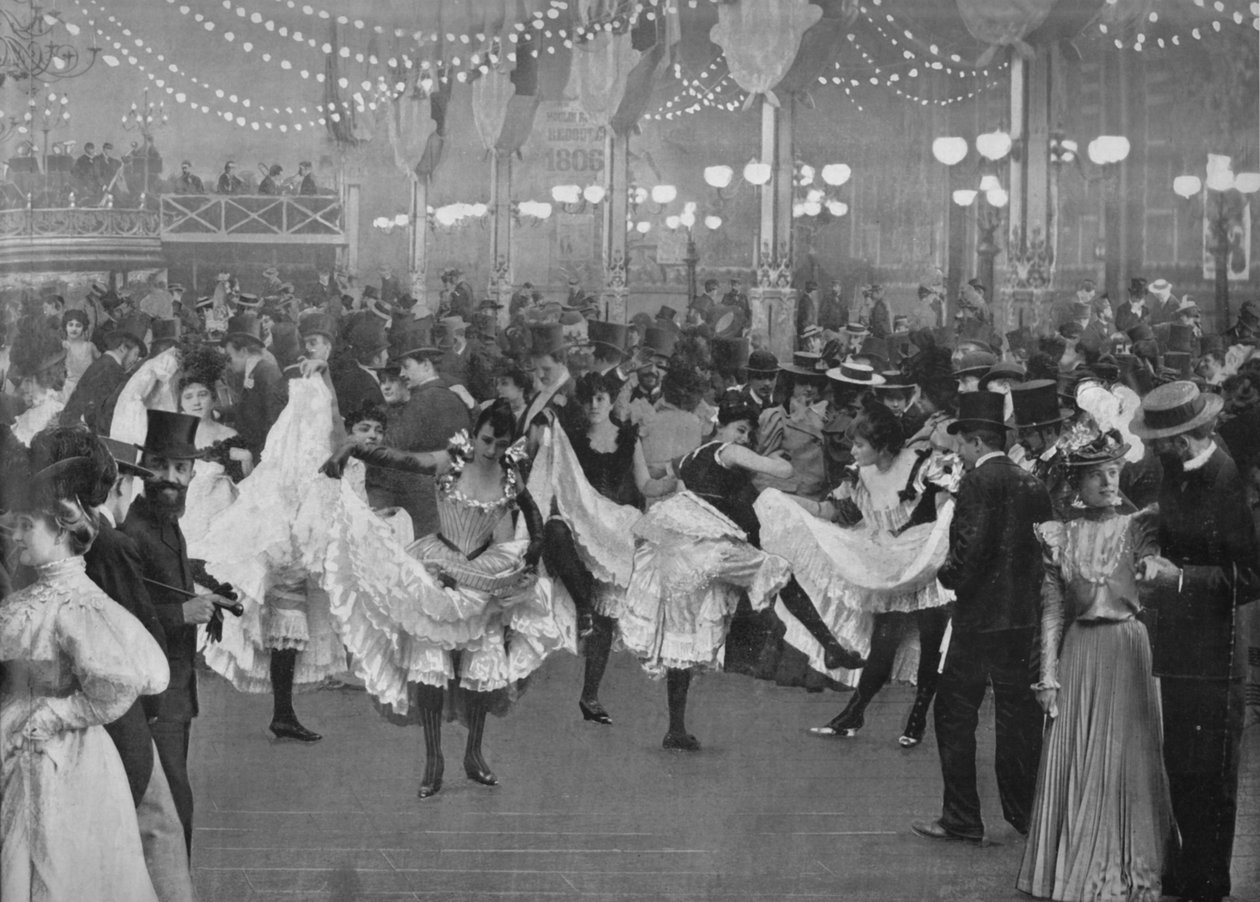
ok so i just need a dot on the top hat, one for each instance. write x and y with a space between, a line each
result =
875 347
660 341
413 334
135 327
1173 409
729 354
367 336
166 333
1213 343
245 327
728 322
805 365
1020 339
852 373
762 362
1005 369
1180 364
370 292
546 338
1141 332
609 335
1036 404
318 324
667 313
126 456
1137 286
975 363
979 410
171 435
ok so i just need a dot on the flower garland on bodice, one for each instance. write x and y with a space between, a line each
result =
460 449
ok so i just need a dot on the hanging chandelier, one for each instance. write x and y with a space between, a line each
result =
33 45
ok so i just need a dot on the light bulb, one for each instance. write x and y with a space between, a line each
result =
713 222
1187 185
948 150
718 176
993 145
965 197
836 174
997 197
989 183
643 227
593 193
663 194
757 173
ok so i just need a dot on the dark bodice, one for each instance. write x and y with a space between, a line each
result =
610 473
729 489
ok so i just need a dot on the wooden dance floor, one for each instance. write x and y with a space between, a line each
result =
586 812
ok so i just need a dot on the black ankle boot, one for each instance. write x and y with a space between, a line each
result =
799 606
916 723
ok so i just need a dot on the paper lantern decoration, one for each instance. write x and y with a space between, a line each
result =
760 39
1003 23
599 72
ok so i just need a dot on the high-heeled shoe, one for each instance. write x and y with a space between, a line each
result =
291 729
480 772
837 656
846 723
432 780
681 742
593 711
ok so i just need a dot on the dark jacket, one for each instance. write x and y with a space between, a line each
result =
260 404
1206 529
994 562
164 559
96 394
355 387
113 563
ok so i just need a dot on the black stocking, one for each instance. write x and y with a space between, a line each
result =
800 607
677 683
561 557
598 648
283 664
430 703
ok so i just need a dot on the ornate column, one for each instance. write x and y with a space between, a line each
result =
615 228
418 254
501 281
773 299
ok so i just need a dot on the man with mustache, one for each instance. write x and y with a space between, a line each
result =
152 522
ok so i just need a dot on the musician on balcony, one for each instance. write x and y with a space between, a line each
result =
86 174
229 181
187 182
108 171
308 186
271 183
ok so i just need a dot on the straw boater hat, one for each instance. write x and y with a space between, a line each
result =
1036 404
248 301
851 373
893 381
1173 409
979 410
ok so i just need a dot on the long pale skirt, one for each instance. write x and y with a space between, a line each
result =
1102 820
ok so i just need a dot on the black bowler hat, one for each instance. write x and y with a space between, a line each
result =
171 435
1004 369
979 410
1036 404
762 363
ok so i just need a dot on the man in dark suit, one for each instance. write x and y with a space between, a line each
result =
1133 311
995 567
86 176
153 524
762 372
97 391
354 372
264 390
1207 567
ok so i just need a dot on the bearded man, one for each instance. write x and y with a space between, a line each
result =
152 523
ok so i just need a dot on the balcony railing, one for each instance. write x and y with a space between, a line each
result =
262 219
79 222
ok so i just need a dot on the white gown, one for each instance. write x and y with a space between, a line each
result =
73 660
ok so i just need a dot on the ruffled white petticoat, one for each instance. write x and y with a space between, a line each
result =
270 545
602 529
851 574
690 565
401 625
